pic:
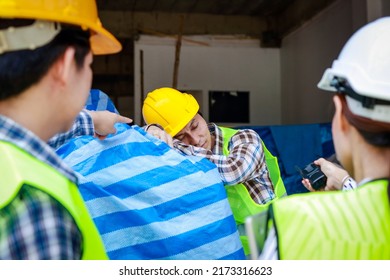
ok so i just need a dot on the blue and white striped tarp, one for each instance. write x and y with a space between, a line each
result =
99 101
150 202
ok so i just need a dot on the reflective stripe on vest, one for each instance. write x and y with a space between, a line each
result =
19 168
335 225
239 198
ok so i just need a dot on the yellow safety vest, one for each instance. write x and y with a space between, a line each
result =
335 225
19 168
238 196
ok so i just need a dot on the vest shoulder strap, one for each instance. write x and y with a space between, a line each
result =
21 168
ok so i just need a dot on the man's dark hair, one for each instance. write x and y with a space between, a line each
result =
21 69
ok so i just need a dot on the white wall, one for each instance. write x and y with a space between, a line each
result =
227 63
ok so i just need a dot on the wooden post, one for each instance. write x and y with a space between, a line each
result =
141 58
177 53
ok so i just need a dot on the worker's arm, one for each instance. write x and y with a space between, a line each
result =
245 161
94 123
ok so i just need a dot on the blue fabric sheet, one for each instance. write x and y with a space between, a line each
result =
297 145
150 202
99 101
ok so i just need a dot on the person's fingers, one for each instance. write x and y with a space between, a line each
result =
307 185
123 119
330 188
170 142
156 133
109 130
319 161
100 137
162 135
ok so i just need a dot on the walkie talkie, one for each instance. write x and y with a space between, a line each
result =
313 173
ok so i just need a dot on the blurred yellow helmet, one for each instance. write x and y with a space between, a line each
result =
169 108
82 13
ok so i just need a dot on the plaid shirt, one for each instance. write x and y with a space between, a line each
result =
83 125
34 225
244 164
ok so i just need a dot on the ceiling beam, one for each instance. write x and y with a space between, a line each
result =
126 24
298 14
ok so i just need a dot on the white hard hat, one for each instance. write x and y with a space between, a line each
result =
362 71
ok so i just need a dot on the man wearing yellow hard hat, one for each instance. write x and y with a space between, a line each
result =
250 173
46 51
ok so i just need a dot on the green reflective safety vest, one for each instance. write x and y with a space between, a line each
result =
335 225
239 198
19 168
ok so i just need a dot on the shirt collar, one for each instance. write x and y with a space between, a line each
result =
217 133
12 132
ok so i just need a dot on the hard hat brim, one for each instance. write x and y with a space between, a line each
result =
102 41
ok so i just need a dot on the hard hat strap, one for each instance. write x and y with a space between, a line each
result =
342 86
28 37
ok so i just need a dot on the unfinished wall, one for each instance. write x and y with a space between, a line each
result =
114 73
209 63
307 52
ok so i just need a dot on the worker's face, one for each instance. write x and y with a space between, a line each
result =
196 133
340 133
79 85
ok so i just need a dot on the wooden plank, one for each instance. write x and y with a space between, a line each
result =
177 53
142 90
117 5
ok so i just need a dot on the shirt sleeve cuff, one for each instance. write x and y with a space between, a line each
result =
86 125
349 184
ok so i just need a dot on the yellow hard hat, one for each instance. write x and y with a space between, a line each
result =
169 108
76 12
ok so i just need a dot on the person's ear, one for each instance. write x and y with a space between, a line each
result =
341 120
64 66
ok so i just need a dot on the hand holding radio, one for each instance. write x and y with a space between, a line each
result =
334 175
314 175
